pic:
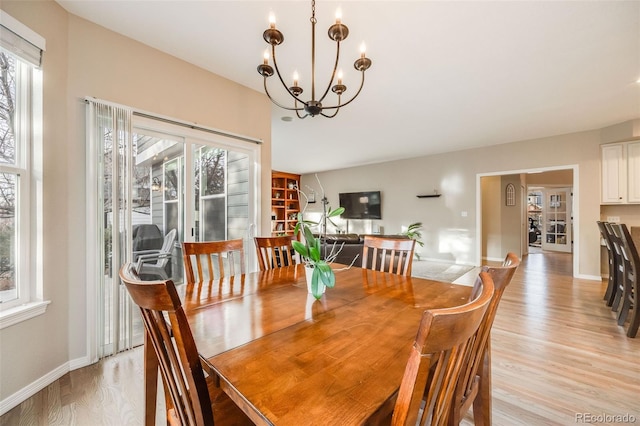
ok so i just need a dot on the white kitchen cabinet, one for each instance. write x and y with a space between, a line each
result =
620 173
633 171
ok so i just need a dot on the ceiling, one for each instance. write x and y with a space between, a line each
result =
446 76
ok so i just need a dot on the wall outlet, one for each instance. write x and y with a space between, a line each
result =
614 219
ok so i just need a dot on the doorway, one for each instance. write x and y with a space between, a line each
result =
560 178
549 214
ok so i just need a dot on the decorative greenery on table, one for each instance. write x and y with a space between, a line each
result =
310 249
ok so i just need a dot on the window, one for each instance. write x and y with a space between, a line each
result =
20 153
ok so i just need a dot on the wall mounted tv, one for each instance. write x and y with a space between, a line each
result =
361 205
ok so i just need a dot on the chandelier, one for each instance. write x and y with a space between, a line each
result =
337 32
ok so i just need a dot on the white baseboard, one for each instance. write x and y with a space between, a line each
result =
41 383
74 364
493 259
431 259
588 277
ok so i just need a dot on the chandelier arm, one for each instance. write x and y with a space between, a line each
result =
332 115
333 75
350 100
275 64
276 102
298 112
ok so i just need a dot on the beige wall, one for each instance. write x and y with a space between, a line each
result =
551 178
511 218
448 233
83 59
491 216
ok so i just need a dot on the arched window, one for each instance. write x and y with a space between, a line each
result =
510 195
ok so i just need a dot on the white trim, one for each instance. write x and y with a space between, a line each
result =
21 313
448 262
492 259
28 272
36 386
22 30
588 277
82 362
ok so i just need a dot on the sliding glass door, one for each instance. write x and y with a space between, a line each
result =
162 184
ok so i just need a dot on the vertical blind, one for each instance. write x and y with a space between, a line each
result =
109 130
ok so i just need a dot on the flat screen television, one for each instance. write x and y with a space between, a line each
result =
361 205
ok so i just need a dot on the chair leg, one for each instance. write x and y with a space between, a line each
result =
635 322
150 381
482 403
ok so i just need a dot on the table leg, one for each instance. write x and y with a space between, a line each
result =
150 381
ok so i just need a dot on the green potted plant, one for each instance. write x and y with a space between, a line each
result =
319 272
413 232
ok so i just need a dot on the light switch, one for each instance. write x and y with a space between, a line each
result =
463 214
615 219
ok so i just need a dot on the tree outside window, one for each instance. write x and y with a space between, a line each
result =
8 180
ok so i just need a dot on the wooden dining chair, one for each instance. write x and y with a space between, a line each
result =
394 255
229 256
436 360
471 388
631 285
276 252
612 282
190 399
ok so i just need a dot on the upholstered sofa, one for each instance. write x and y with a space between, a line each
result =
351 244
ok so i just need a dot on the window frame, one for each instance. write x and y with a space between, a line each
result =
27 168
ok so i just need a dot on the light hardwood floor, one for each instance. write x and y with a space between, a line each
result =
558 357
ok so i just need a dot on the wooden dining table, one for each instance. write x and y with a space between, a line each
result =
286 358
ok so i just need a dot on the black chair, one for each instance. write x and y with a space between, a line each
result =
613 264
146 237
616 242
630 285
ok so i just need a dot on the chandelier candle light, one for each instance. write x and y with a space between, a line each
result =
337 32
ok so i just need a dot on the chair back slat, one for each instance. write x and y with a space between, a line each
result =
615 236
394 255
174 346
275 252
436 359
229 253
612 261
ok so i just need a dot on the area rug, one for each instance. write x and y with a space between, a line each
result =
440 271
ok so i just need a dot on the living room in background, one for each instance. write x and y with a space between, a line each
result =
159 184
20 162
